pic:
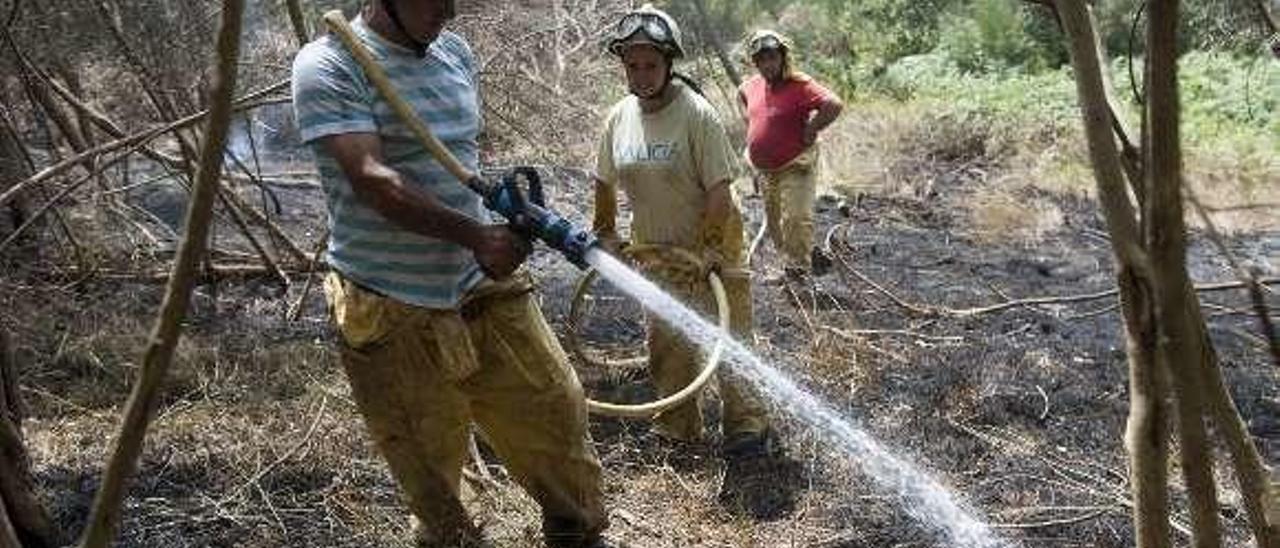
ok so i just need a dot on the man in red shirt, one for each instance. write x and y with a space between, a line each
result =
785 110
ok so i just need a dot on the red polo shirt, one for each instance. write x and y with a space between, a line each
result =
776 117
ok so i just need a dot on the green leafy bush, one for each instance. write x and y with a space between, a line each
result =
991 35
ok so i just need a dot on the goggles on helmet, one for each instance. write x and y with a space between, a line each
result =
765 42
653 27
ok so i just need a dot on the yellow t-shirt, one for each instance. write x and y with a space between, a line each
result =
666 161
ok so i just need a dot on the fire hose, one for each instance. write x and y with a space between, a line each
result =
572 340
527 213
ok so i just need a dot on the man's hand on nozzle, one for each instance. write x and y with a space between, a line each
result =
499 250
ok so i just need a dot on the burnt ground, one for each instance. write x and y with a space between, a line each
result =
1018 412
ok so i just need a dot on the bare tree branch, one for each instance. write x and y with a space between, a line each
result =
713 39
155 364
22 518
1268 18
251 100
298 21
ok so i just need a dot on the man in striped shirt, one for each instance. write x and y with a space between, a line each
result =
438 325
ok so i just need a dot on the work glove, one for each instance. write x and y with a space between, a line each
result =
604 216
712 261
611 242
710 246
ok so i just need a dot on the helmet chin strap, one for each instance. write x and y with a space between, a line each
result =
418 47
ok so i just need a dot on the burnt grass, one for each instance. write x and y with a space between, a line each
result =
1019 412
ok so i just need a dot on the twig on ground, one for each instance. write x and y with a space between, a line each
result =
925 310
1118 491
1044 413
1055 522
236 217
216 271
274 229
853 333
1104 310
481 468
637 523
856 340
844 267
800 305
1242 207
288 454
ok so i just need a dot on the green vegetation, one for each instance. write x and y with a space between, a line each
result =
994 75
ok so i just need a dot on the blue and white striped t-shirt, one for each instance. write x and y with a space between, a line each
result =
331 96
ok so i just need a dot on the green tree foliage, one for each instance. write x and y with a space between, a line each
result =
885 30
992 35
1212 25
978 35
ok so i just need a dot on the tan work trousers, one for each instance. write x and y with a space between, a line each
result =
674 362
789 195
421 376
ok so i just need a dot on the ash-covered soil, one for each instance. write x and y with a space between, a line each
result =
1018 412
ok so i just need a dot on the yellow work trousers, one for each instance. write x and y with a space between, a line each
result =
674 362
789 194
420 377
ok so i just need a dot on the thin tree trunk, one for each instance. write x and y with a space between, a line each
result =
262 252
1146 436
298 21
13 167
1252 476
84 125
20 508
114 130
1268 18
1182 341
61 118
41 95
155 363
8 536
10 406
713 38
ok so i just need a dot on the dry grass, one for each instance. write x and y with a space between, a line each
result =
1005 178
860 149
1242 185
1002 214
